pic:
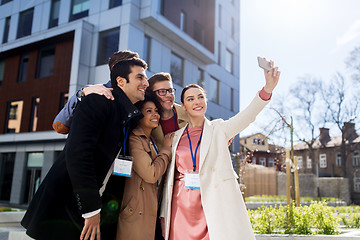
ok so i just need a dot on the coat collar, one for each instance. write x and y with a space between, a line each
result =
181 114
129 109
205 141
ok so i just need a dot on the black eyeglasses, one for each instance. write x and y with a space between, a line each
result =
162 92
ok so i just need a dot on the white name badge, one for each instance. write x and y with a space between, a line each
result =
192 180
123 166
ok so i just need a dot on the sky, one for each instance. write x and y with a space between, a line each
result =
302 37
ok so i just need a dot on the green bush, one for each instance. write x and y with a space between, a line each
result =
5 209
317 218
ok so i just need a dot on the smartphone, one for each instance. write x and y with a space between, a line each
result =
264 64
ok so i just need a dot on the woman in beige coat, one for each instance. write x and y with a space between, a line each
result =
221 212
138 214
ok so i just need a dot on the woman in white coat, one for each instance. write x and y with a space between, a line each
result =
202 198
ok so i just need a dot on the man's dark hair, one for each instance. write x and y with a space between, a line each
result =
158 77
149 98
123 69
121 55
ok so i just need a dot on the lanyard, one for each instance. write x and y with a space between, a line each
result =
156 149
197 146
175 123
126 135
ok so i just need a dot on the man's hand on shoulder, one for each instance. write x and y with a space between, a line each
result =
100 90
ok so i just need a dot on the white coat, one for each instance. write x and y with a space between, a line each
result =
221 198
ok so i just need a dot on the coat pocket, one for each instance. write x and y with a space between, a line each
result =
130 210
227 174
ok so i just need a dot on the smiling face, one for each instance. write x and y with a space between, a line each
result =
135 88
151 116
167 101
194 102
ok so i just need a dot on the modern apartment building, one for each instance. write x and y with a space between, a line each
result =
51 48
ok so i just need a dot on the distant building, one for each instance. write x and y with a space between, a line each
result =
51 48
328 160
260 152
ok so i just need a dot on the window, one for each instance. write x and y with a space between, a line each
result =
115 3
253 160
338 159
199 77
299 161
64 99
7 161
183 21
34 114
2 70
35 162
79 9
262 161
199 33
13 116
177 69
5 1
271 162
219 53
231 99
108 44
356 184
212 89
147 50
232 28
25 23
308 162
23 67
45 65
229 61
323 161
54 15
6 30
356 159
258 141
220 16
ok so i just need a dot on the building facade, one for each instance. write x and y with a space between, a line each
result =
258 151
51 48
327 158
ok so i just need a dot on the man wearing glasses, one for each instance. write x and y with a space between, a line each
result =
173 117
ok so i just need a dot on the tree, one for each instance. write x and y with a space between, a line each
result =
303 104
353 63
341 107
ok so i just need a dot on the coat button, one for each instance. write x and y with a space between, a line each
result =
131 210
140 213
80 208
142 188
129 115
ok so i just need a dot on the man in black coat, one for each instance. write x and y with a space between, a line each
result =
71 198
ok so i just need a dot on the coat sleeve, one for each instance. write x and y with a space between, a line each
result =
149 170
241 120
90 115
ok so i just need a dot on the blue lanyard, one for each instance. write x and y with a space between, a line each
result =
197 146
156 149
175 123
126 135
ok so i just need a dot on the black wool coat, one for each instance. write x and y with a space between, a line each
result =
71 188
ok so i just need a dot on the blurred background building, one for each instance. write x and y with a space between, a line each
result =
51 48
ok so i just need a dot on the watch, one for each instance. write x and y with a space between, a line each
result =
80 94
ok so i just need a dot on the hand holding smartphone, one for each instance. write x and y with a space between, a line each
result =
264 64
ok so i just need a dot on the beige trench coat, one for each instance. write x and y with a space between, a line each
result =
222 201
137 218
